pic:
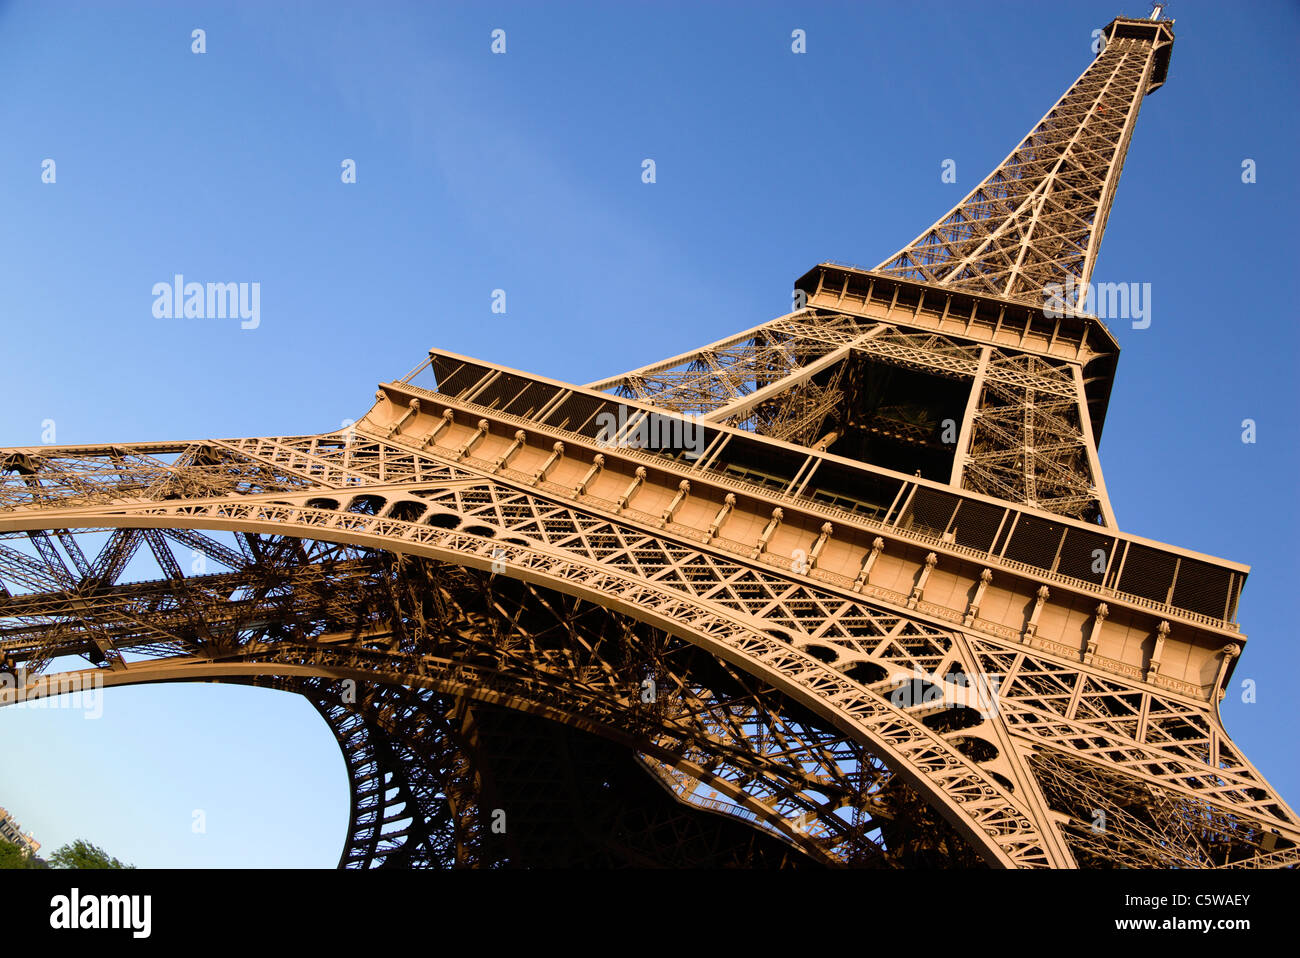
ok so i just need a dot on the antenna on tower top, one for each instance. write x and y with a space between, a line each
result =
1157 9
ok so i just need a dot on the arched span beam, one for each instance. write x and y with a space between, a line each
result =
373 772
981 810
455 681
427 768
796 770
785 758
463 763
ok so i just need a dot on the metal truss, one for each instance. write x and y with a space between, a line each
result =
776 693
883 619
1039 217
1023 437
1028 234
433 776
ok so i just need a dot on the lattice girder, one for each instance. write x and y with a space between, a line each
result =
1038 219
685 588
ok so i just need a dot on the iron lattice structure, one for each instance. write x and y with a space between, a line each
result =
878 613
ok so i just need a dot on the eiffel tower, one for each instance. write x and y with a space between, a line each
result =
843 589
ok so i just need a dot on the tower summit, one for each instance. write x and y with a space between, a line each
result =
970 356
1037 220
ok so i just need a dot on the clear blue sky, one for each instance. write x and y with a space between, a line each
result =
522 172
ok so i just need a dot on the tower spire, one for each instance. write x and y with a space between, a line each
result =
1035 223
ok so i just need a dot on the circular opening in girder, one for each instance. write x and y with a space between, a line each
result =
952 718
866 673
408 510
975 749
916 694
822 653
367 505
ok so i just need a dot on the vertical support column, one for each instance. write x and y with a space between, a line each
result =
1090 447
962 454
1031 474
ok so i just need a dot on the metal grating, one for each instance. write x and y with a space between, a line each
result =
1148 573
1087 555
932 510
578 413
455 377
976 524
534 397
501 391
1201 587
1035 541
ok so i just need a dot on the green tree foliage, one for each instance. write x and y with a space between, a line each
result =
82 854
11 856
